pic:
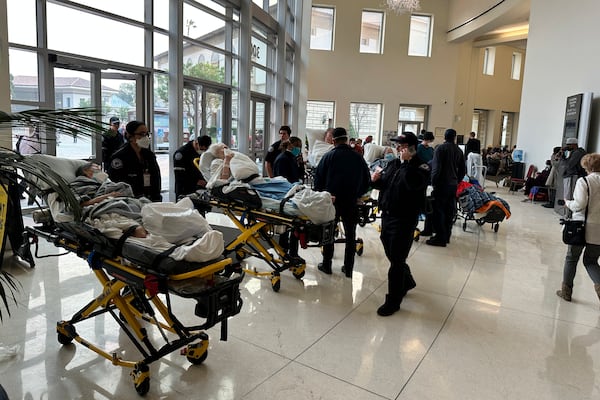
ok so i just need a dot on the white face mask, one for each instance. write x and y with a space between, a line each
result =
143 142
100 176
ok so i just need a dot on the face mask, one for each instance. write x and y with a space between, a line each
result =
389 156
352 145
100 176
295 151
143 142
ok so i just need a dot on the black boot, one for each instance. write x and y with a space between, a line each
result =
389 307
325 268
347 271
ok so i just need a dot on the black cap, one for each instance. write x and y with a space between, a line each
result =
428 136
114 120
408 138
340 133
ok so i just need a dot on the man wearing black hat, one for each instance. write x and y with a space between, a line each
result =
112 140
188 177
447 169
344 174
402 185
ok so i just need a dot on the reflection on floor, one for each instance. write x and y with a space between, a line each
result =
483 323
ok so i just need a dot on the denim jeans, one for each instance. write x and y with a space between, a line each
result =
590 260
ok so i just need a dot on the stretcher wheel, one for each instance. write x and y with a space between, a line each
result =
299 271
360 246
196 353
275 281
141 379
64 339
480 222
496 226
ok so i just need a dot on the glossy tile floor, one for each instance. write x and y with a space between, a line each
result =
483 323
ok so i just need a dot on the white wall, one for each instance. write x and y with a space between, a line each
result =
562 60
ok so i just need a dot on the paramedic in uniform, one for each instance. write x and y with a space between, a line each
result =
188 177
136 164
345 175
402 186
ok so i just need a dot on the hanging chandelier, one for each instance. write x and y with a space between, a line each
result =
402 6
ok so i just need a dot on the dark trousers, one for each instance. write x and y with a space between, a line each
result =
289 242
397 239
444 209
349 218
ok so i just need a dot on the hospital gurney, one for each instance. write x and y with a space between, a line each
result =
138 282
258 229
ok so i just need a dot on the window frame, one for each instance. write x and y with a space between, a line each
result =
412 38
366 39
312 27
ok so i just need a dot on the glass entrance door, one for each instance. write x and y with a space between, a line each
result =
259 128
204 109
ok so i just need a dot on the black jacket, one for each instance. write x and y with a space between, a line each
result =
343 173
186 173
286 165
448 165
572 164
126 167
111 142
402 188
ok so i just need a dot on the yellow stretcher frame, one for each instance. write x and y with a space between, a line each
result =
257 229
133 292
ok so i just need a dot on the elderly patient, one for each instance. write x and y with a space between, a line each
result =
99 196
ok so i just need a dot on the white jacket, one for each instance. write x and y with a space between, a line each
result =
579 202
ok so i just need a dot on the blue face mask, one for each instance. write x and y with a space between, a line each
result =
389 156
295 151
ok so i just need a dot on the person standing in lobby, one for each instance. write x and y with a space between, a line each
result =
284 135
344 174
447 169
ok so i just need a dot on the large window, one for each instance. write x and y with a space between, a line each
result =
515 72
319 114
371 32
489 58
419 42
321 28
365 119
412 118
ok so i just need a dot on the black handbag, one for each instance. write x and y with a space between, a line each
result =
573 230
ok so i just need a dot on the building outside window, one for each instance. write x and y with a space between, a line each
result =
321 28
319 114
365 120
371 32
419 42
489 58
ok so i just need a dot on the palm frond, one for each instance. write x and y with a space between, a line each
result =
75 121
9 286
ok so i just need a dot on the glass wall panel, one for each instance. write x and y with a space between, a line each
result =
259 51
161 14
161 51
365 120
371 32
203 63
202 26
132 9
258 80
72 89
86 29
21 22
23 69
212 5
23 131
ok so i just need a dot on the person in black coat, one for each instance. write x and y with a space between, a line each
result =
112 141
284 132
136 164
345 175
188 177
402 184
448 168
473 145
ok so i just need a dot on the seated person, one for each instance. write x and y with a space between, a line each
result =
539 179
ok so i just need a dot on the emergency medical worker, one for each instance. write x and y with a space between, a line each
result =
136 164
188 177
402 186
284 132
112 140
344 174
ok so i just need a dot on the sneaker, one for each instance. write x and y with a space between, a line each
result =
324 269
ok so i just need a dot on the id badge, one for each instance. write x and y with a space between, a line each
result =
146 180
